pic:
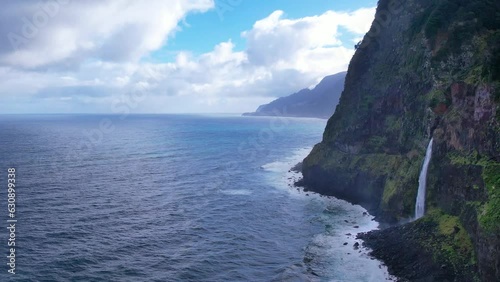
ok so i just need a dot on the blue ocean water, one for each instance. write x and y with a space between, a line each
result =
173 198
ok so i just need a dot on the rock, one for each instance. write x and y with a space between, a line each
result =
345 243
296 168
400 249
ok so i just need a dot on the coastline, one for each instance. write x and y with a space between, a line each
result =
406 248
366 240
342 237
255 114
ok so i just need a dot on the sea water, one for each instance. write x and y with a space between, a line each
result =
174 198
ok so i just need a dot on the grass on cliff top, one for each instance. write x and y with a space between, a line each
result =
376 164
489 213
490 216
449 241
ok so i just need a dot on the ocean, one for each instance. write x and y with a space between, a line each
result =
173 198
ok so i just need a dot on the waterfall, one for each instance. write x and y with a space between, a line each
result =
420 203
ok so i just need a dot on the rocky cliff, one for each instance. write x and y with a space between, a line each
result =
426 69
319 102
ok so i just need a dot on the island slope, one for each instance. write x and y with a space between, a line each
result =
319 102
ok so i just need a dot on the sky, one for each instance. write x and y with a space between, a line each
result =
170 56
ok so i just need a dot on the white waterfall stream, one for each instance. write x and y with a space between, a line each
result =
420 202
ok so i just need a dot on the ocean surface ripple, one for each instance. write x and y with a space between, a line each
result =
174 198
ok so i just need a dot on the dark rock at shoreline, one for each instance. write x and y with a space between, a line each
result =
401 256
408 252
297 168
300 183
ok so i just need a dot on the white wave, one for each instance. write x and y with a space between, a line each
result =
274 167
343 221
240 192
285 165
333 253
282 177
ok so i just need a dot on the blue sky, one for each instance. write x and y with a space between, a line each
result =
200 32
170 56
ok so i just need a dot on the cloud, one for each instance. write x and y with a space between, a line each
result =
90 54
304 43
42 33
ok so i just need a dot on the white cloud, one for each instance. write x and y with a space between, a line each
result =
93 58
305 43
44 33
358 22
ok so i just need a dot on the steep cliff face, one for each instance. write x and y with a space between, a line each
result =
426 69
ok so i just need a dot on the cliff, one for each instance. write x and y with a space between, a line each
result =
426 69
319 102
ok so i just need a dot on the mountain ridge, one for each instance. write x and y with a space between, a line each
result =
319 102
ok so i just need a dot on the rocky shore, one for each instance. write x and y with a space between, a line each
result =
410 250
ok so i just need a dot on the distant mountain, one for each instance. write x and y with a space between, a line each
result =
319 102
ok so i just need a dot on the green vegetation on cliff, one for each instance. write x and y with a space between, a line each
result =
449 241
488 211
490 217
436 247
